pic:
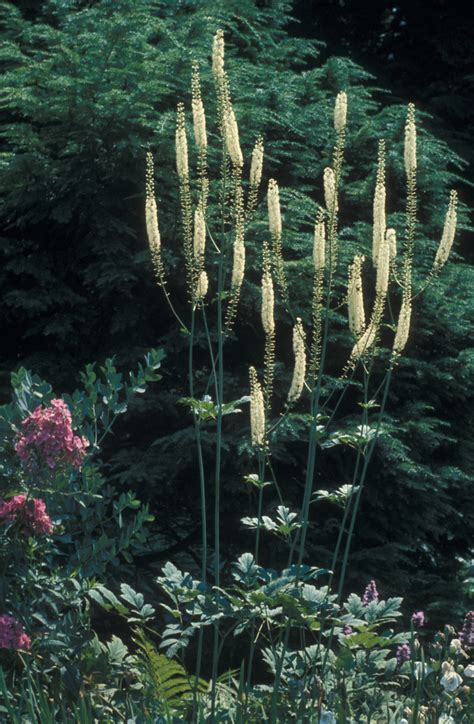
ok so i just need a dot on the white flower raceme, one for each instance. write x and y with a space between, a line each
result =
257 410
199 234
355 297
218 56
238 266
445 719
403 327
449 232
256 164
410 141
378 233
199 123
231 133
391 237
450 680
383 268
469 671
268 320
319 245
274 214
299 370
365 342
202 286
153 231
181 145
340 111
329 182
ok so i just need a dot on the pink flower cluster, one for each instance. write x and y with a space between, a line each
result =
12 634
31 515
47 437
370 593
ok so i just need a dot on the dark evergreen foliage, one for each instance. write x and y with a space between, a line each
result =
89 87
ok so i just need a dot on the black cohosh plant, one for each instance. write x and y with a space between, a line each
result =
276 610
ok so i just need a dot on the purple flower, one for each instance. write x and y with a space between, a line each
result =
466 634
370 593
418 618
403 653
347 630
12 634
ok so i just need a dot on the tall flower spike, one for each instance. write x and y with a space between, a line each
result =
340 111
199 116
410 141
391 237
378 232
257 410
182 166
319 245
299 370
274 214
403 326
218 56
449 232
330 190
256 165
199 235
231 133
355 298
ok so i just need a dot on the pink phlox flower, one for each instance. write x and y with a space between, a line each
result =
12 634
30 515
47 437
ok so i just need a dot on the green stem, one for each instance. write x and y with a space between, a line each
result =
202 485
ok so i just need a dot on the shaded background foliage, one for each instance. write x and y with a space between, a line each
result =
89 87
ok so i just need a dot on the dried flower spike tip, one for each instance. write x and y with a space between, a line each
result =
274 214
355 298
299 370
340 111
449 232
410 141
257 410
